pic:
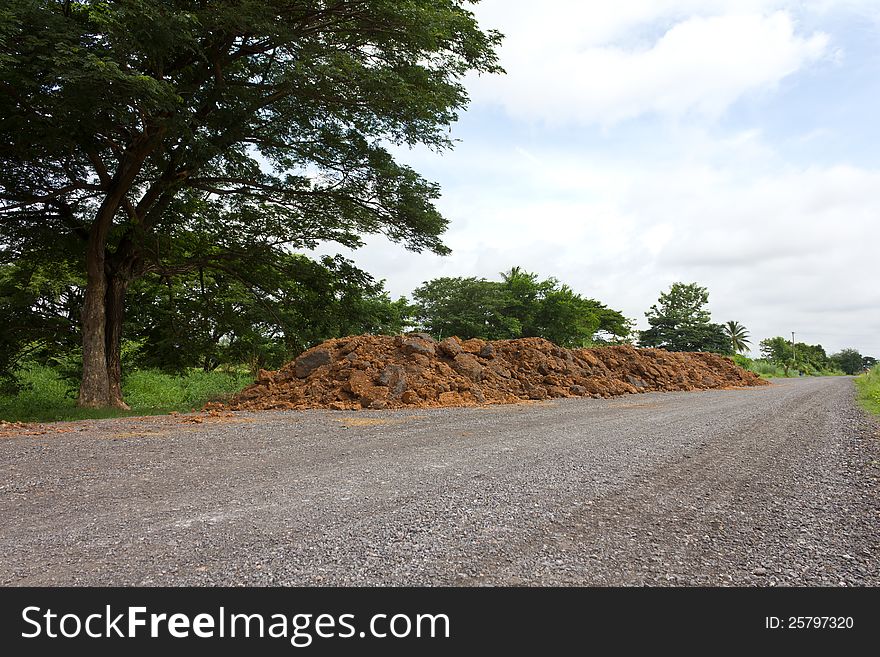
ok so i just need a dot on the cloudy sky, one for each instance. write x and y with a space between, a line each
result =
641 142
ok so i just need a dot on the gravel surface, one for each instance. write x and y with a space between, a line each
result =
763 486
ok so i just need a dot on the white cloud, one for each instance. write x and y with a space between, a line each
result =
774 244
782 243
601 63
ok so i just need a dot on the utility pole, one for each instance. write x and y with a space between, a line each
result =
793 350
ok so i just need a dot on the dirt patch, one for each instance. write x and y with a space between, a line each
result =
16 429
416 371
213 412
364 421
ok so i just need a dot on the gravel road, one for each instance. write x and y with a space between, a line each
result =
762 486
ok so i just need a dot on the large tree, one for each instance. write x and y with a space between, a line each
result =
164 136
679 321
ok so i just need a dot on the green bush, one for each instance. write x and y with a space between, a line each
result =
43 394
768 370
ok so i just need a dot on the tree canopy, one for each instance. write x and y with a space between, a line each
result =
168 137
519 305
849 360
679 321
776 350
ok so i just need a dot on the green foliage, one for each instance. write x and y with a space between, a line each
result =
172 138
770 370
737 335
466 307
39 303
868 386
808 359
45 395
679 321
265 318
154 391
776 350
195 93
520 305
199 319
849 360
762 367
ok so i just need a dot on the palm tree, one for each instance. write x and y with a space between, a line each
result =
738 336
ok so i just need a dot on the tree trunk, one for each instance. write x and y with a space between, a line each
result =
114 314
94 390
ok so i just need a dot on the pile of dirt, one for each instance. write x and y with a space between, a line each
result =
414 370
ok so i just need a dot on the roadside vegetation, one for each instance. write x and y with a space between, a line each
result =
768 369
868 386
782 359
45 395
197 338
202 337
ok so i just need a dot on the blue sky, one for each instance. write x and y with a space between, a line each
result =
637 143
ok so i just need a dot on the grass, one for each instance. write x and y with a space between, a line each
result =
763 368
47 397
769 370
868 386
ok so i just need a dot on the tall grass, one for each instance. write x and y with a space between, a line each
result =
769 370
46 396
868 386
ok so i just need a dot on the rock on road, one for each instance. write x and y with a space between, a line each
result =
761 486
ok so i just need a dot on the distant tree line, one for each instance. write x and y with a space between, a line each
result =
812 358
680 321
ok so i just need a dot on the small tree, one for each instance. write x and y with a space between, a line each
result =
679 321
738 336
